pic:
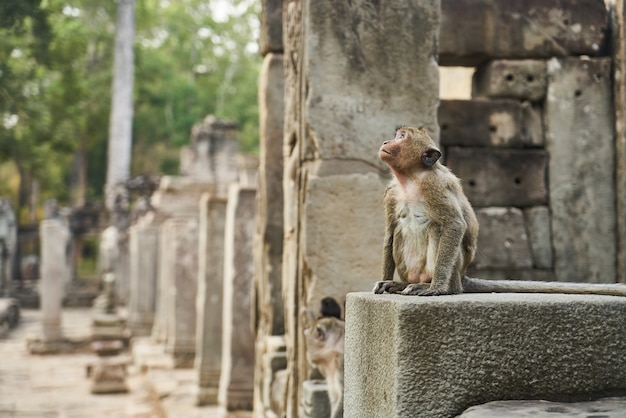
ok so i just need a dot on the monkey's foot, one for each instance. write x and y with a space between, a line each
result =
389 286
416 288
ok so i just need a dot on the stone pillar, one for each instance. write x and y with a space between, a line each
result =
619 84
179 252
579 120
54 239
268 250
211 155
339 107
237 378
144 256
209 301
8 245
176 197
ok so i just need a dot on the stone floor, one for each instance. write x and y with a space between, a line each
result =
56 386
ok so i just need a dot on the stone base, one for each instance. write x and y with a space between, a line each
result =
314 403
148 355
63 346
437 356
239 399
183 359
607 408
106 387
109 376
205 395
109 326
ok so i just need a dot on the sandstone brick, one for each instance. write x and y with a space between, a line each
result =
579 122
513 79
502 240
333 218
351 106
271 33
482 123
512 274
474 31
501 177
540 236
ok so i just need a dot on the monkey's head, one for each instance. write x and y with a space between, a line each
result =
409 150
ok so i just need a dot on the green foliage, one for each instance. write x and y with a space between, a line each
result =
56 59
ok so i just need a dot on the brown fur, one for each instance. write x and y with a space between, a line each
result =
431 230
324 339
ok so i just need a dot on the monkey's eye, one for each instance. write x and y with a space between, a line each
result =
400 135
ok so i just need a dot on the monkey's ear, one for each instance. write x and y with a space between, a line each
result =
430 156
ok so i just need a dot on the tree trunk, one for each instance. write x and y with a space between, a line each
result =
121 120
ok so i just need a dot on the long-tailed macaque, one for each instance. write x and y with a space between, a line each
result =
431 230
324 339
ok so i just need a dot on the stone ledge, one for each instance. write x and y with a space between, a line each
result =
412 356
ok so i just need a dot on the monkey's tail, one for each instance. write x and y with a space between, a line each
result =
474 285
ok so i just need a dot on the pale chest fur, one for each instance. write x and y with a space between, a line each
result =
412 242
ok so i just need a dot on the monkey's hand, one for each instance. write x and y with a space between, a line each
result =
389 286
425 289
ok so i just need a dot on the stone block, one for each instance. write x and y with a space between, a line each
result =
271 33
502 239
333 218
278 389
489 123
179 251
602 408
537 221
315 403
211 155
501 177
144 255
209 301
437 356
474 31
237 369
511 274
109 376
511 79
351 105
178 196
579 121
273 363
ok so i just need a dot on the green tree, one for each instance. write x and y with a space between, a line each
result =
191 63
55 86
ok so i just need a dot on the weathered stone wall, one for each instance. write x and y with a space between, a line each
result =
618 27
521 145
541 106
268 248
353 72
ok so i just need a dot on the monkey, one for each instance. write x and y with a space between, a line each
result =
324 338
431 231
330 308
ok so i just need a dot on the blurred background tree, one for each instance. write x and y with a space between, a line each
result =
193 58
